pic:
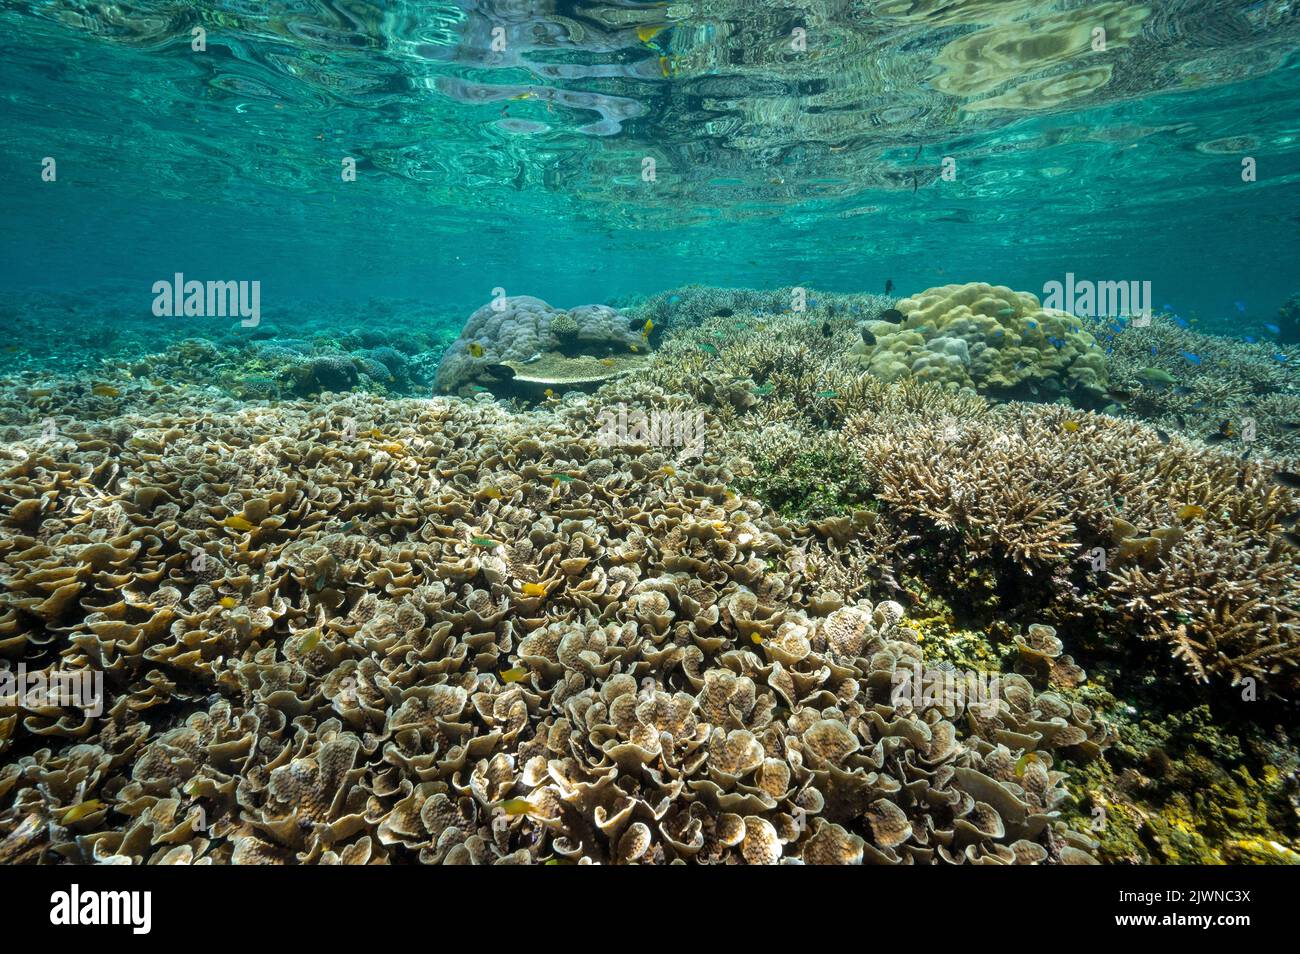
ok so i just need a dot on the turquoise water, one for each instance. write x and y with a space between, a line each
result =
614 347
522 168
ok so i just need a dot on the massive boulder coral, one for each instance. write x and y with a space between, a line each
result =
525 338
987 338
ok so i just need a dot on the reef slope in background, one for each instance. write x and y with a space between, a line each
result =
366 627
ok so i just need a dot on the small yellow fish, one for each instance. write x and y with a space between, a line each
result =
105 390
533 589
516 674
632 348
309 642
475 349
668 470
548 394
757 639
1070 427
1023 762
647 33
1191 512
375 434
229 602
238 522
492 493
517 806
648 327
719 526
608 362
83 810
395 448
665 66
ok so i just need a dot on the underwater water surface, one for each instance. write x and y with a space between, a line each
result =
773 167
634 432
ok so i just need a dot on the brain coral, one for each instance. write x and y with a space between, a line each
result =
523 330
985 337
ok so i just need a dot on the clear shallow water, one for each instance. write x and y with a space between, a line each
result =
522 167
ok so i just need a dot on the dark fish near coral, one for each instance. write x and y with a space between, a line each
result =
1286 478
868 338
1225 432
1122 395
892 315
827 331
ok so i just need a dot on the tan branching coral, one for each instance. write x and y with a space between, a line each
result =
1188 545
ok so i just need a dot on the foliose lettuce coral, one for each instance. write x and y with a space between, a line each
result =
388 631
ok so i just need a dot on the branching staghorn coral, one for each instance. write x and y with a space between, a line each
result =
1185 545
1225 391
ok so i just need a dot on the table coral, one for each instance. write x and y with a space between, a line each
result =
528 336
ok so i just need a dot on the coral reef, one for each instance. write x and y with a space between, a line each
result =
1184 546
524 340
693 305
453 639
987 338
367 629
1229 393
